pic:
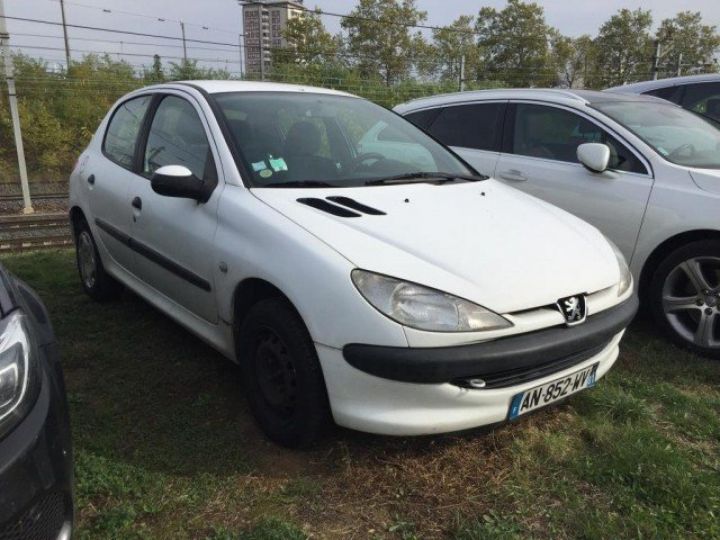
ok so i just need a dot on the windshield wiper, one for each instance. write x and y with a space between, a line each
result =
299 183
419 177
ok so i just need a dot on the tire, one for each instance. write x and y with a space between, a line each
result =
282 375
684 297
96 282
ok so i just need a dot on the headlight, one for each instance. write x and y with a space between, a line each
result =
625 275
424 308
17 383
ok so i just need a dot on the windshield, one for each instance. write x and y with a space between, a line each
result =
293 138
676 134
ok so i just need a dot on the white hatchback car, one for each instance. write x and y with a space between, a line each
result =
397 292
642 170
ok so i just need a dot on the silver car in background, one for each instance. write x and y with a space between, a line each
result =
644 171
697 93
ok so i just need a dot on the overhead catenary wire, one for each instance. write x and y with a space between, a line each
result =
118 31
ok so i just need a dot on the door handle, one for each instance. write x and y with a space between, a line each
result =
137 203
514 175
91 179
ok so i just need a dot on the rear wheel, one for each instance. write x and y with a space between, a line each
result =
96 282
282 375
685 296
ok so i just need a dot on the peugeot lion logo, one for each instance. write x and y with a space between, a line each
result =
573 309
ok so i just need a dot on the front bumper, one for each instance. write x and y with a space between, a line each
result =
501 362
434 400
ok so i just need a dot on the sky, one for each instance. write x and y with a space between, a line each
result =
222 22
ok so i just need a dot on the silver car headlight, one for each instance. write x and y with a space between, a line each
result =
423 308
626 279
18 383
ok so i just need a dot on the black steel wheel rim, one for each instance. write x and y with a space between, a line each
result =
275 373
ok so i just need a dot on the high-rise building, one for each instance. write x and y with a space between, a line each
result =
263 24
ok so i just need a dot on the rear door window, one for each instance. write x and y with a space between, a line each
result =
553 133
670 93
477 126
703 98
123 130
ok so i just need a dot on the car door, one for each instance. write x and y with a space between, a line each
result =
540 157
474 131
108 178
174 236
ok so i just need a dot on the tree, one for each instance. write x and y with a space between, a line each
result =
155 74
686 37
188 70
623 48
514 43
570 58
453 43
380 40
308 43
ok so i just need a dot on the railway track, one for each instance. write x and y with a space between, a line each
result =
14 245
33 232
38 196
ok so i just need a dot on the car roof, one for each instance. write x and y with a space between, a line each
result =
221 86
645 86
555 95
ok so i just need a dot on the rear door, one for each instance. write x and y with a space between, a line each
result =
108 178
473 130
174 236
540 157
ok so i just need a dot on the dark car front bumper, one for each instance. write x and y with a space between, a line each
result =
36 475
499 363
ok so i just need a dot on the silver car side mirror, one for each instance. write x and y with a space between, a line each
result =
594 156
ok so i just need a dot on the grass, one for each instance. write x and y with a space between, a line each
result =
165 447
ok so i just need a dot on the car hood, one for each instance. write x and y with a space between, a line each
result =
706 179
482 241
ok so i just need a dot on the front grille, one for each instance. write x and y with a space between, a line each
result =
42 521
512 377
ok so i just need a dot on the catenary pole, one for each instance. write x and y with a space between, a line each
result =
12 99
65 35
182 28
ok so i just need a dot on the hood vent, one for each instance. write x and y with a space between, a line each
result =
354 205
322 204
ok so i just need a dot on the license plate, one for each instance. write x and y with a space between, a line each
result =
537 397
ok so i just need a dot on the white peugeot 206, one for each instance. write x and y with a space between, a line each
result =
391 289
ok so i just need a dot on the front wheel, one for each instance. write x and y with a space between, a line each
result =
282 375
685 297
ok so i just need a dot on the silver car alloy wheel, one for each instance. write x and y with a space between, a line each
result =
86 259
691 300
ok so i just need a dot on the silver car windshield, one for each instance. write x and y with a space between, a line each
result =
313 140
679 136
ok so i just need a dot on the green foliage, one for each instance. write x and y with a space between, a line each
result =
686 41
513 43
451 45
379 40
308 44
623 48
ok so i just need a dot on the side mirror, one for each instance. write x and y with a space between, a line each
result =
594 156
177 181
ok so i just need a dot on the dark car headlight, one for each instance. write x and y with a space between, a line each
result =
18 370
